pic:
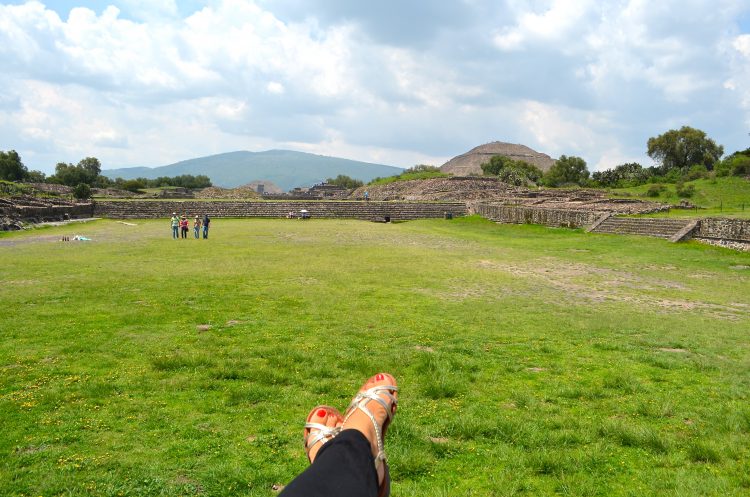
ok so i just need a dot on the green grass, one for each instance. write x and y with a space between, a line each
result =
729 196
532 361
408 176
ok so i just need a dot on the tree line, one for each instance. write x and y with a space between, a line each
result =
680 155
87 174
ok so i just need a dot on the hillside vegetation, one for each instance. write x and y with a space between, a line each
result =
718 196
285 168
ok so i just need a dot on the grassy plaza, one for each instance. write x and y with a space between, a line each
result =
532 361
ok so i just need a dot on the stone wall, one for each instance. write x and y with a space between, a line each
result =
568 218
717 228
373 211
40 213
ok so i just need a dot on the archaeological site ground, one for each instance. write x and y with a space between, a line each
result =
533 360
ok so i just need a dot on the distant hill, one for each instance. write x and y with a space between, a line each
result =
471 161
286 168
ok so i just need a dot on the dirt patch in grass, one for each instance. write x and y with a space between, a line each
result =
31 449
673 350
98 231
596 284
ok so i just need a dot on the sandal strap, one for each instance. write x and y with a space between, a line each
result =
374 394
360 402
324 433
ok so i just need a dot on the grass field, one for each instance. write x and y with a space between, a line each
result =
532 361
728 197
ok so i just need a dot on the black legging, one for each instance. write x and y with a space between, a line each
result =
343 467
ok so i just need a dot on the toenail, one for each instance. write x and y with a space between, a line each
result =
321 413
379 377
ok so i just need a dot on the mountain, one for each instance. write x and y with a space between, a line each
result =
286 168
471 161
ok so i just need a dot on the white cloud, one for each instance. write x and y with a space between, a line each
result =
555 23
275 87
587 78
742 45
151 9
110 139
740 79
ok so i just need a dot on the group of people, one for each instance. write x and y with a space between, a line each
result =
181 225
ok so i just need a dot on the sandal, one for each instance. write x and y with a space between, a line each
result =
317 432
360 401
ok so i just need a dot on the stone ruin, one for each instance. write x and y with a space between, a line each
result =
492 190
17 210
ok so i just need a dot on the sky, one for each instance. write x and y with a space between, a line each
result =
152 82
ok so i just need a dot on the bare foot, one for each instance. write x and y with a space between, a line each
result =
357 419
322 424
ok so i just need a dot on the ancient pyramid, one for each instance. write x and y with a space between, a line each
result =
470 162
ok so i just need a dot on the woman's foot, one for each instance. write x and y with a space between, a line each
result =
371 417
322 424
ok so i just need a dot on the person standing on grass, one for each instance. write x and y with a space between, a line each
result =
197 227
184 226
175 226
206 222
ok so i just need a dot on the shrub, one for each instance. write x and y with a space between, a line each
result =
737 164
723 168
82 191
697 171
685 191
622 176
345 181
655 190
133 185
423 168
741 165
513 172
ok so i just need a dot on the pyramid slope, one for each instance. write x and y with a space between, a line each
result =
470 162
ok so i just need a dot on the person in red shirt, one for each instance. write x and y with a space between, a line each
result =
184 226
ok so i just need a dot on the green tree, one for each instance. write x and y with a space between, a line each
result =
82 191
87 171
737 164
35 176
11 167
345 181
513 172
68 174
496 164
91 167
422 168
567 171
624 175
680 149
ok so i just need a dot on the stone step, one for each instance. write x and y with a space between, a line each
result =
656 227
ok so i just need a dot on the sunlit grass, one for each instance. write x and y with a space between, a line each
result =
532 361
